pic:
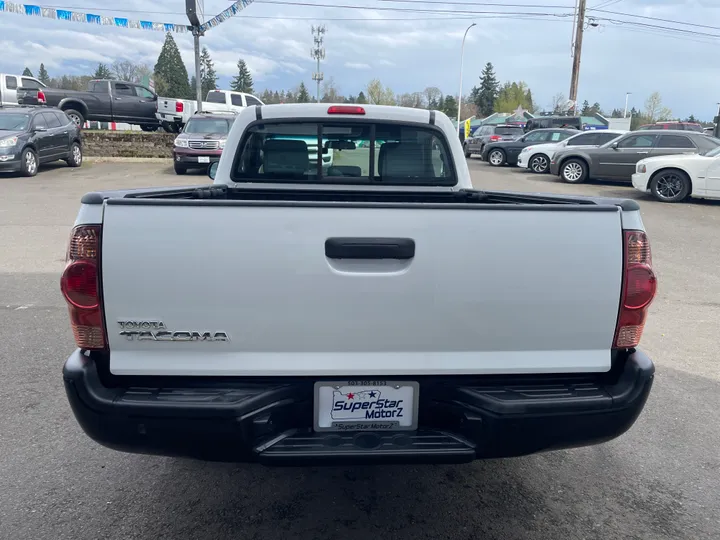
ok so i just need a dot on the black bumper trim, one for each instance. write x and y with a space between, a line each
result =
270 421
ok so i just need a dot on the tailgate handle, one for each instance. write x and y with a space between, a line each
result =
370 248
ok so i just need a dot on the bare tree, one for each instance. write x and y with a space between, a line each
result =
331 92
558 103
414 100
377 94
126 70
432 96
654 109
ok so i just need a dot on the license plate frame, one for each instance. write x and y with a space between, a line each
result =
203 159
394 389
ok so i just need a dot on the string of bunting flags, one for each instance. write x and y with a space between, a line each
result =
120 22
234 9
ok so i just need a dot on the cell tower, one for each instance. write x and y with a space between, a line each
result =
318 53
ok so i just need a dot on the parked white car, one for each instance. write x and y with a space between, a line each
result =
674 178
537 157
173 114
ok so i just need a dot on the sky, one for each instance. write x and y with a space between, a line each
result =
409 49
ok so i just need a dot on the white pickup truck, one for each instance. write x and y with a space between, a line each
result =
173 114
377 310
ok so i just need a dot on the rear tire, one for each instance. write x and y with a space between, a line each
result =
496 158
147 127
670 186
29 162
574 171
75 157
467 154
539 164
76 116
179 169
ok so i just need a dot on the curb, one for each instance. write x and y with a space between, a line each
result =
100 159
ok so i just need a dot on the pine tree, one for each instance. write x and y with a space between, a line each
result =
43 75
450 106
487 93
171 76
276 97
585 111
193 86
596 109
102 72
361 97
208 76
440 104
303 96
27 73
243 82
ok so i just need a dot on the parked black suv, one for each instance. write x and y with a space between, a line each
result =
574 122
31 136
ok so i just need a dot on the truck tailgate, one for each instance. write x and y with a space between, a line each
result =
487 290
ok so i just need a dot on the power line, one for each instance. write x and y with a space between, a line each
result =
488 4
647 17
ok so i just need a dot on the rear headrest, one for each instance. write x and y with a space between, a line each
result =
405 159
284 156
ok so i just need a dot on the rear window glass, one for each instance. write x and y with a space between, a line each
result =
509 131
349 153
207 125
216 97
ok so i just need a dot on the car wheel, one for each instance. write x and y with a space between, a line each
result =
670 186
539 164
147 127
77 117
75 157
574 171
179 169
496 158
467 154
29 162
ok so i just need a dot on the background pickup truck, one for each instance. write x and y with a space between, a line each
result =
173 114
104 101
379 310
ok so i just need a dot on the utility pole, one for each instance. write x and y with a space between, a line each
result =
318 53
577 51
192 9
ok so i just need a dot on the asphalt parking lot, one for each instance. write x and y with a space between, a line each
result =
659 481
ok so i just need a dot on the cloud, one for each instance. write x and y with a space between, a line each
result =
357 65
406 50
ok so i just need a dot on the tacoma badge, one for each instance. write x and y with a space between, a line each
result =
137 330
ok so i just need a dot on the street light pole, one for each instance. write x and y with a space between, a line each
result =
462 54
627 95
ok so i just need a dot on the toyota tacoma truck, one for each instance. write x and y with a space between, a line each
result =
378 310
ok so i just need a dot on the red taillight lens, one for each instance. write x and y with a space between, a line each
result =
80 285
639 288
345 109
41 97
495 137
179 106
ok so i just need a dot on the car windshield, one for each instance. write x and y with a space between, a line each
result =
14 121
352 152
208 125
516 131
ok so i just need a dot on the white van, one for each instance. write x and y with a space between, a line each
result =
9 85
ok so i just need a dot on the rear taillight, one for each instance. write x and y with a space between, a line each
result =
80 285
495 138
639 288
41 97
179 106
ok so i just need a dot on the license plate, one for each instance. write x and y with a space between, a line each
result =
203 159
364 405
